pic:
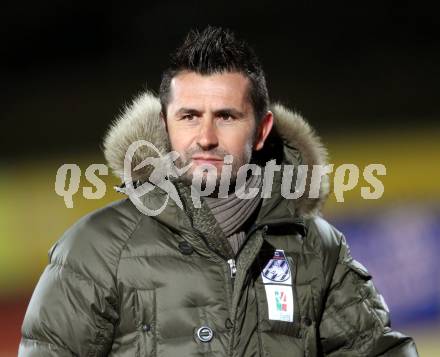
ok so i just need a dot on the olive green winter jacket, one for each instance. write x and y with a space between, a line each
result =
122 283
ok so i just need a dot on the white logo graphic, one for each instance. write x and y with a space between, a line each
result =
164 168
277 270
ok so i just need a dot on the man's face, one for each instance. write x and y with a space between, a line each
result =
211 116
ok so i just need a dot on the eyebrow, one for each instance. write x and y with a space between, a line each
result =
229 111
188 111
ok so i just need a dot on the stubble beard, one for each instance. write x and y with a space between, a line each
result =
238 161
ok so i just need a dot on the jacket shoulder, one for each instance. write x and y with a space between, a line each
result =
325 241
79 286
93 245
322 236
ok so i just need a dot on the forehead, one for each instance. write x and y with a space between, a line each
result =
216 90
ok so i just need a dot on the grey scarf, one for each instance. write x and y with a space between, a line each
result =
232 212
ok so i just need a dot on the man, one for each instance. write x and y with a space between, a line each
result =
235 277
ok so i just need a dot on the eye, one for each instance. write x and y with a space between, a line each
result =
188 117
226 117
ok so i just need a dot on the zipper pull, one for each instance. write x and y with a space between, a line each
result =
232 267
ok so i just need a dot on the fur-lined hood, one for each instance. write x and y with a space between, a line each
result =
292 141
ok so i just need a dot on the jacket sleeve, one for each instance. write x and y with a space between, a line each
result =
355 320
71 312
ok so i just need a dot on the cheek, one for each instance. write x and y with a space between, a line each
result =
238 142
179 141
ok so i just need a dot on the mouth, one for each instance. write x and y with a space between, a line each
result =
206 159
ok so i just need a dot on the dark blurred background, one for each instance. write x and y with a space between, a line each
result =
341 63
365 74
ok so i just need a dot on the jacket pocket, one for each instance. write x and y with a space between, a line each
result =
145 315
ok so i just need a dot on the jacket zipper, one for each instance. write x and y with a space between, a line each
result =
232 268
233 271
232 262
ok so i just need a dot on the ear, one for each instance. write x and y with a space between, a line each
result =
263 130
162 116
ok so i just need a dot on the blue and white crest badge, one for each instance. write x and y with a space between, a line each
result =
277 270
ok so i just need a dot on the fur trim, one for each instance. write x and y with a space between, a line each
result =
141 121
297 132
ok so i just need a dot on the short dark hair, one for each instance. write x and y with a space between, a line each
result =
217 50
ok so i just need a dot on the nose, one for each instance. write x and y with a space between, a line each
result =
207 138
